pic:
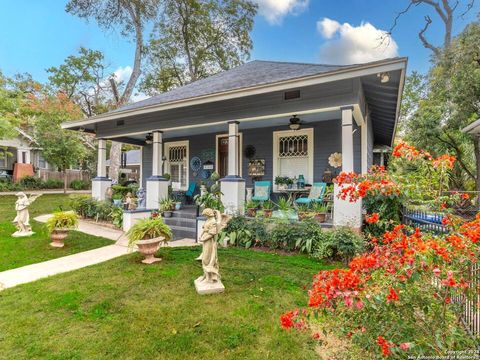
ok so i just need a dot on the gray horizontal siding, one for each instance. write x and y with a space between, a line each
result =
327 139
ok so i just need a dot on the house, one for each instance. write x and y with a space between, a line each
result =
22 149
290 117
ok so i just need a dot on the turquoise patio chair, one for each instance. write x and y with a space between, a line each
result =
191 191
261 190
316 194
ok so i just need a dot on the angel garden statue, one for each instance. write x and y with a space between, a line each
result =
22 220
209 282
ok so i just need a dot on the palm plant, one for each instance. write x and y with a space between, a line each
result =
283 204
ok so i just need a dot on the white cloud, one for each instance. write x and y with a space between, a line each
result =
275 10
347 44
123 74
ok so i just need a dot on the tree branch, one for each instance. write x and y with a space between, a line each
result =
424 40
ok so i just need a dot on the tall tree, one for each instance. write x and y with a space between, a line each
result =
83 80
446 10
452 101
193 39
131 16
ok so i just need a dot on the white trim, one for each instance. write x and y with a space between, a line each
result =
241 120
240 149
167 146
364 146
341 74
399 101
311 152
140 177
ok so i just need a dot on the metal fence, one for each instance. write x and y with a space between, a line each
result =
470 307
428 221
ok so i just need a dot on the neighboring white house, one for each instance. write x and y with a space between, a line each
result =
21 149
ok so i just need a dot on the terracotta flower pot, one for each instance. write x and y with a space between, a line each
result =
320 217
267 212
251 212
58 237
302 215
148 248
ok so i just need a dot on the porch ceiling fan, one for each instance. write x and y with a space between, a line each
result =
295 123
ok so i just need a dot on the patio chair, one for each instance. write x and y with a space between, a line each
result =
261 191
316 194
190 192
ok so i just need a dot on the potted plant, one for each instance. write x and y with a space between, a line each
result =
304 212
59 225
288 182
167 206
280 182
267 208
284 208
251 207
117 199
321 211
148 234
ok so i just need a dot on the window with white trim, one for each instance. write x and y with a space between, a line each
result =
293 154
42 164
177 164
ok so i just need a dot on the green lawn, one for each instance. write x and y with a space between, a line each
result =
16 252
123 309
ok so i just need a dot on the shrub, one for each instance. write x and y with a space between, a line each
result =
87 207
79 185
52 184
339 244
31 182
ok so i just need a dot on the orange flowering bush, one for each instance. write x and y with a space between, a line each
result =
396 300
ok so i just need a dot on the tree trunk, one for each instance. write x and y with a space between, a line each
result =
115 159
65 180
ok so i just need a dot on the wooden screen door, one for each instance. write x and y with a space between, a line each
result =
222 156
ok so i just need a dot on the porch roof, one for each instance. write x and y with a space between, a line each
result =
259 79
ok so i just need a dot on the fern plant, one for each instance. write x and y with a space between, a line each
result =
62 220
146 229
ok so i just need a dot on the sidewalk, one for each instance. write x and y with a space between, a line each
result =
29 273
54 191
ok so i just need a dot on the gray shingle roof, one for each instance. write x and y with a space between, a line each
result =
253 73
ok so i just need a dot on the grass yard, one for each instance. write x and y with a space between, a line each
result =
123 309
16 252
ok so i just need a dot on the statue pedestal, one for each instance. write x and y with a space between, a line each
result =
22 234
205 288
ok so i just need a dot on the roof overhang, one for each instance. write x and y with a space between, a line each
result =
399 64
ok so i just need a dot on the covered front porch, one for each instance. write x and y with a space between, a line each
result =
245 133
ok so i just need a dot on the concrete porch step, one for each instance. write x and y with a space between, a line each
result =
181 221
182 232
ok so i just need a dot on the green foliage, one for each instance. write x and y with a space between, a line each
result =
267 205
116 214
87 207
145 229
30 183
167 204
124 190
209 200
339 244
251 204
188 43
79 185
65 220
283 204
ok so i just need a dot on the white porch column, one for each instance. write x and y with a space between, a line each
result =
364 145
345 212
233 186
157 185
20 156
101 183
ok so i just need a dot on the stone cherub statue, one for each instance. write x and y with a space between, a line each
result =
210 282
22 220
141 198
130 203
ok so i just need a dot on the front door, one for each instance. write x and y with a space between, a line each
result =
222 156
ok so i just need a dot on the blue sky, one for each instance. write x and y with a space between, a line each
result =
37 34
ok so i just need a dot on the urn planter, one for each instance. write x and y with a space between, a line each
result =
58 237
148 248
